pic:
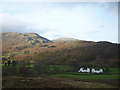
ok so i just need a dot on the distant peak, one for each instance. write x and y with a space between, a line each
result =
65 40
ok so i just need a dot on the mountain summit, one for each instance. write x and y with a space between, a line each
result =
14 38
65 40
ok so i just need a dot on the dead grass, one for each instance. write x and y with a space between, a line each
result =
82 84
49 82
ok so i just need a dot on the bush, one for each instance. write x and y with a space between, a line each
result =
9 70
25 71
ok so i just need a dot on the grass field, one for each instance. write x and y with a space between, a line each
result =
88 76
67 71
112 74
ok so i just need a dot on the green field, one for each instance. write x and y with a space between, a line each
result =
88 76
67 71
112 74
30 66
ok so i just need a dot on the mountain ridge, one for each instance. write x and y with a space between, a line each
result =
33 42
24 38
65 40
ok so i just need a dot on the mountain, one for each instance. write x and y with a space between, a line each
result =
80 53
60 51
64 40
17 40
24 38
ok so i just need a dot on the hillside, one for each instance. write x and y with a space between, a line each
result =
21 40
81 53
69 52
24 38
64 40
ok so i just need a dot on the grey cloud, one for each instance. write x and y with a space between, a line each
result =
56 35
21 27
102 25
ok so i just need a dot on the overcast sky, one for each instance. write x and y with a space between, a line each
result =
85 21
